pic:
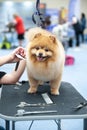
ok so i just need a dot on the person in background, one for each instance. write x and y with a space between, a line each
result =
47 23
83 25
19 27
14 76
77 28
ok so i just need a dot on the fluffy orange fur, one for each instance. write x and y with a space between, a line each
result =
45 60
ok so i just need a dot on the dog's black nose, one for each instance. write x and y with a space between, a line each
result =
40 54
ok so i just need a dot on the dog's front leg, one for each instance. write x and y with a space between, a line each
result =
55 85
33 85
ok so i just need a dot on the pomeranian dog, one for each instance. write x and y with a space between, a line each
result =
45 59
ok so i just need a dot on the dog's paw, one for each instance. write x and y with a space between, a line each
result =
41 83
32 90
54 91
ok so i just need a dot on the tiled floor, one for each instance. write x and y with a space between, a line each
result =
76 75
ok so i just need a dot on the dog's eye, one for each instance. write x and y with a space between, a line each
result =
37 48
46 49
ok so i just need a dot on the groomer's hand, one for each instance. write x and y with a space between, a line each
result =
20 51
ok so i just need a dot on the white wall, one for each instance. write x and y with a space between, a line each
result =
65 3
50 3
58 4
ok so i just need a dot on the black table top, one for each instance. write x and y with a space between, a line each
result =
64 103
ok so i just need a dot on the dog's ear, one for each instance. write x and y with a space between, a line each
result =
37 35
53 39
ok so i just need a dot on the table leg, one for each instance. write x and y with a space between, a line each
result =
31 124
13 125
85 124
58 122
7 125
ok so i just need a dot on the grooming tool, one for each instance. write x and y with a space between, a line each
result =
16 67
24 104
19 84
22 112
81 105
20 57
47 98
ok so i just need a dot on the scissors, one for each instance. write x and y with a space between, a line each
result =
24 104
22 112
81 105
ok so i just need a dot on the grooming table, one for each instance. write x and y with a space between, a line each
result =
64 104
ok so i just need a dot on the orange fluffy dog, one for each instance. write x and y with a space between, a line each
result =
45 60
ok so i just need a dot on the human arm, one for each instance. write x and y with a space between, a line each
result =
10 58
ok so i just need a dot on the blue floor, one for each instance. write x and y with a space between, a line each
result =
76 75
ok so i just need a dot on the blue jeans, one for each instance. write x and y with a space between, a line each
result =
1 128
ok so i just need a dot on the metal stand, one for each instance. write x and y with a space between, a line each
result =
13 125
85 124
58 122
31 125
7 125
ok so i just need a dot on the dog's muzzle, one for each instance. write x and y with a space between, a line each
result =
40 57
